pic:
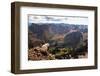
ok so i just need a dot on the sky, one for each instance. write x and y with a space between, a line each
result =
57 19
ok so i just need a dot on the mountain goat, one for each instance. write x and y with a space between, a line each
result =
45 47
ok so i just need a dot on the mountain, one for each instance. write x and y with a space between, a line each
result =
55 28
55 33
33 41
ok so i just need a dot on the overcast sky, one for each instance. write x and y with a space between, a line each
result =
57 19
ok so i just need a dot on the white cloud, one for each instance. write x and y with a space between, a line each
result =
58 19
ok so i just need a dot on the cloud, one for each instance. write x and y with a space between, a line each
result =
58 19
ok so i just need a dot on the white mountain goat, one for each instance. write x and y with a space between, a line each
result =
45 47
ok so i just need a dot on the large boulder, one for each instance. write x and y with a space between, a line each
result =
73 38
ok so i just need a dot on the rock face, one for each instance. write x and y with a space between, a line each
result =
73 38
37 54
